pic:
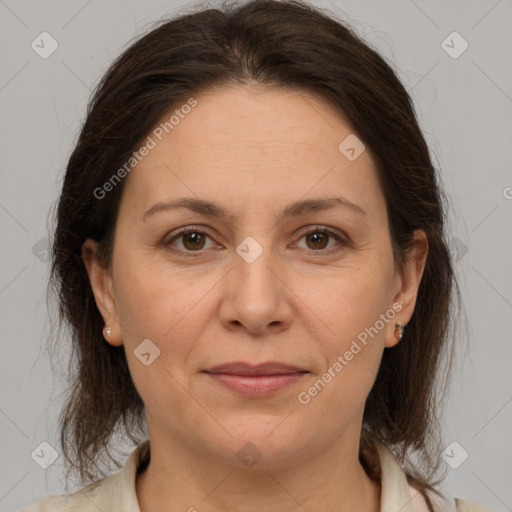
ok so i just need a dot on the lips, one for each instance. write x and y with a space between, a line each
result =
246 369
256 381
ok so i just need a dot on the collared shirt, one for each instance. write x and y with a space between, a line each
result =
117 493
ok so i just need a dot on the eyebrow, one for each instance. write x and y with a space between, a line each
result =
211 209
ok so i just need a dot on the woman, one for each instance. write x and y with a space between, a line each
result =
250 252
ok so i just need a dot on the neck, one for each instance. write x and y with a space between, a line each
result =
178 478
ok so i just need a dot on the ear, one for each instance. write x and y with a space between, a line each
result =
406 284
100 278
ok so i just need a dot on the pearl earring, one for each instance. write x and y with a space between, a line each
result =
108 330
399 330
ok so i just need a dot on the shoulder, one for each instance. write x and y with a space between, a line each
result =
114 492
398 494
468 506
450 504
80 501
46 504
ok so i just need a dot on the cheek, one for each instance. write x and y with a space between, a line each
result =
155 300
351 358
167 307
358 313
168 311
356 299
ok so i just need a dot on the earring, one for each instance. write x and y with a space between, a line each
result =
399 330
108 330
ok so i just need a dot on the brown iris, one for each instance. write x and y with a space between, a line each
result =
318 239
195 238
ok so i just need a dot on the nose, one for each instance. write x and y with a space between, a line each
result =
256 295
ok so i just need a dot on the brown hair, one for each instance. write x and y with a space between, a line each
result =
274 43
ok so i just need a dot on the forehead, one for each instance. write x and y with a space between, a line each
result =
261 145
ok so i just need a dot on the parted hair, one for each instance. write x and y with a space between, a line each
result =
273 43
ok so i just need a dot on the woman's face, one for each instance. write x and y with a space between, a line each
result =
312 286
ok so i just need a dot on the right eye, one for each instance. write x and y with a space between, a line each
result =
193 240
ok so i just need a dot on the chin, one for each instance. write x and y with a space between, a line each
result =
261 445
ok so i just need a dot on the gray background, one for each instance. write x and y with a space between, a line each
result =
464 105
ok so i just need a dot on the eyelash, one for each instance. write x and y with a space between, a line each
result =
317 229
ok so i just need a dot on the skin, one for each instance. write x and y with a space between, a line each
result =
303 301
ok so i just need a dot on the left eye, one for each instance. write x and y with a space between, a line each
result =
319 238
193 240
